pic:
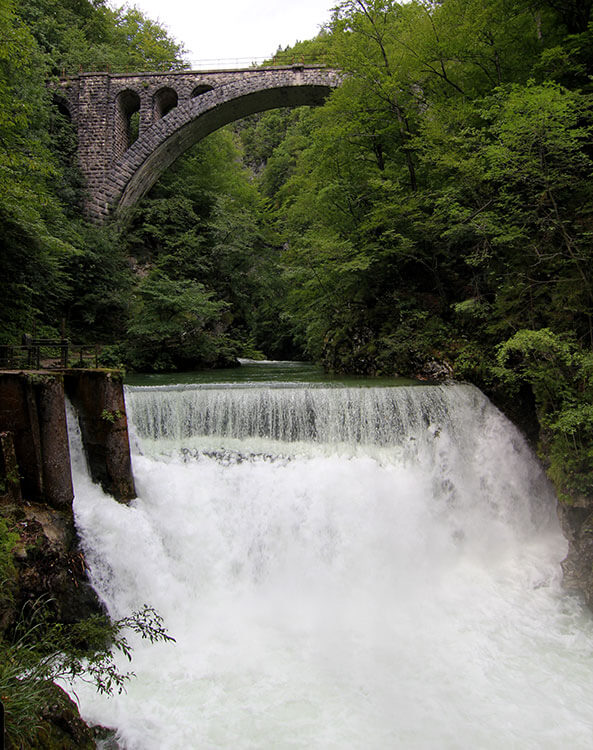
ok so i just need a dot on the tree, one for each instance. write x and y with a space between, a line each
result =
172 324
91 36
32 235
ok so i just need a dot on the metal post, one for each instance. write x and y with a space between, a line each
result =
1 726
26 342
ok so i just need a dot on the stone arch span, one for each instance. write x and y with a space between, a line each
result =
151 154
116 179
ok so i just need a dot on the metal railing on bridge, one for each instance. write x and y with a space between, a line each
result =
280 60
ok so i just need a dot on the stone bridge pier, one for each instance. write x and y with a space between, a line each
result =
132 127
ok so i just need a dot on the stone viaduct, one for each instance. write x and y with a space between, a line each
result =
132 127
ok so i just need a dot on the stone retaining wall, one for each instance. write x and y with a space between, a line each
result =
35 455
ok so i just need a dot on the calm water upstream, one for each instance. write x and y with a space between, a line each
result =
342 566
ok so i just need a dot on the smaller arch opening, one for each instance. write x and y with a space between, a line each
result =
164 101
62 107
202 89
127 119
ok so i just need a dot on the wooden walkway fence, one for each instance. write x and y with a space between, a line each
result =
36 354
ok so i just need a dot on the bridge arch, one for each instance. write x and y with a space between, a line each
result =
174 111
127 104
164 101
150 155
201 89
62 106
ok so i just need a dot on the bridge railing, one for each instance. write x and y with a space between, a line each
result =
280 60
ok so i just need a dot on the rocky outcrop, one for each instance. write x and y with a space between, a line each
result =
48 576
575 511
50 564
577 567
36 497
35 477
60 728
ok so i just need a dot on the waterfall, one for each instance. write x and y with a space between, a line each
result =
386 416
352 568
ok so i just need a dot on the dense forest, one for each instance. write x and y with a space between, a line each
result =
433 218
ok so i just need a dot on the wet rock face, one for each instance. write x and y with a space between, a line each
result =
51 564
577 524
34 451
50 571
36 496
61 726
10 483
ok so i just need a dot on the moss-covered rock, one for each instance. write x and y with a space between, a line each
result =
51 564
60 727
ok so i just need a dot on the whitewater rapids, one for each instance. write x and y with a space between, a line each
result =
341 568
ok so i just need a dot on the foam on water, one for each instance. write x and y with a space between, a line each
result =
341 568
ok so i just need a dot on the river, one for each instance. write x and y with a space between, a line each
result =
342 567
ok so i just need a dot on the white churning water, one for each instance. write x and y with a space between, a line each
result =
344 568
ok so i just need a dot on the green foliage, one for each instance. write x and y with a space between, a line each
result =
98 285
438 207
32 236
172 324
308 52
52 265
111 416
168 308
92 36
548 362
560 375
8 539
42 652
439 180
202 237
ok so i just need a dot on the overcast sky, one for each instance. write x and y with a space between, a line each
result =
229 29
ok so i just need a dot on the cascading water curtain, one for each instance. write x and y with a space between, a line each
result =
341 568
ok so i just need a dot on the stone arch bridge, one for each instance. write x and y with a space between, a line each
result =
132 127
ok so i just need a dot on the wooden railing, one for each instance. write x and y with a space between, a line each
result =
47 354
